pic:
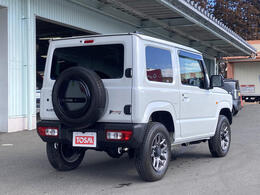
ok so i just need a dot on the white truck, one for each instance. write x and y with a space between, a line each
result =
248 74
130 93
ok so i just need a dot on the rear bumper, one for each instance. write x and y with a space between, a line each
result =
251 98
65 134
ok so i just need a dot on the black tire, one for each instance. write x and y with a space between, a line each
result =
234 112
145 155
93 98
131 153
219 144
64 157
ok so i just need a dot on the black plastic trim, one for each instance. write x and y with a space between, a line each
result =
65 134
128 73
127 109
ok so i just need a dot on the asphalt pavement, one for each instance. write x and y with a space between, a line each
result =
24 168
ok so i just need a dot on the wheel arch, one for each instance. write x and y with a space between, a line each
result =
226 112
165 118
164 113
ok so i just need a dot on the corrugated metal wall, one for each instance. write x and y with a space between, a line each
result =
15 67
4 69
22 46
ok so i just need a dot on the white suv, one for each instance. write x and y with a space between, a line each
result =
130 93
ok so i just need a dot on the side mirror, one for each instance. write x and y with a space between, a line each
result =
216 81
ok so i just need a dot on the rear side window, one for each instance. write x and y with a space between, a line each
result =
237 85
106 60
158 64
192 72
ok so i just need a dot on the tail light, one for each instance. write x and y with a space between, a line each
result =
48 131
119 135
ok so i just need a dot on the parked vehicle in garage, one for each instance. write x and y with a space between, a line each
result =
232 87
130 93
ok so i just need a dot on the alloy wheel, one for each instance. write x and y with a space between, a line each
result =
159 153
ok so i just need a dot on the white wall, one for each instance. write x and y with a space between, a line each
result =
3 70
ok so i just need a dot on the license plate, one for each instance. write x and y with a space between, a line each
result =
88 139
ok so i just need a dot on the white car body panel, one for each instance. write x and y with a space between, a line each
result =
194 111
118 90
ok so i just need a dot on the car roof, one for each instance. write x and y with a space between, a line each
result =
141 36
230 80
153 39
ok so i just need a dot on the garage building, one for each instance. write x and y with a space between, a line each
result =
27 25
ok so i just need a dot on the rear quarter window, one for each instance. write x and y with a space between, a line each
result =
158 64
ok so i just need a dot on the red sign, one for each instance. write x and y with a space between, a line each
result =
89 140
155 75
246 89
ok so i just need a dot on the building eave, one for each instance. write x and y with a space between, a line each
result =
209 22
180 21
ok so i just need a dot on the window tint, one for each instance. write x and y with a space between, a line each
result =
158 64
106 60
191 72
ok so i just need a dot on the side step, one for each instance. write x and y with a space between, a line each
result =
195 142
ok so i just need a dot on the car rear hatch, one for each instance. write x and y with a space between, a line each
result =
109 56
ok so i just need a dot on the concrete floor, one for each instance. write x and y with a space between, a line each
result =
24 168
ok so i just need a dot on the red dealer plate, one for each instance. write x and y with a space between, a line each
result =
88 139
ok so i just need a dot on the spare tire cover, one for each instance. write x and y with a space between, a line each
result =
78 97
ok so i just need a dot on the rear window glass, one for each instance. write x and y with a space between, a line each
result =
106 60
232 84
